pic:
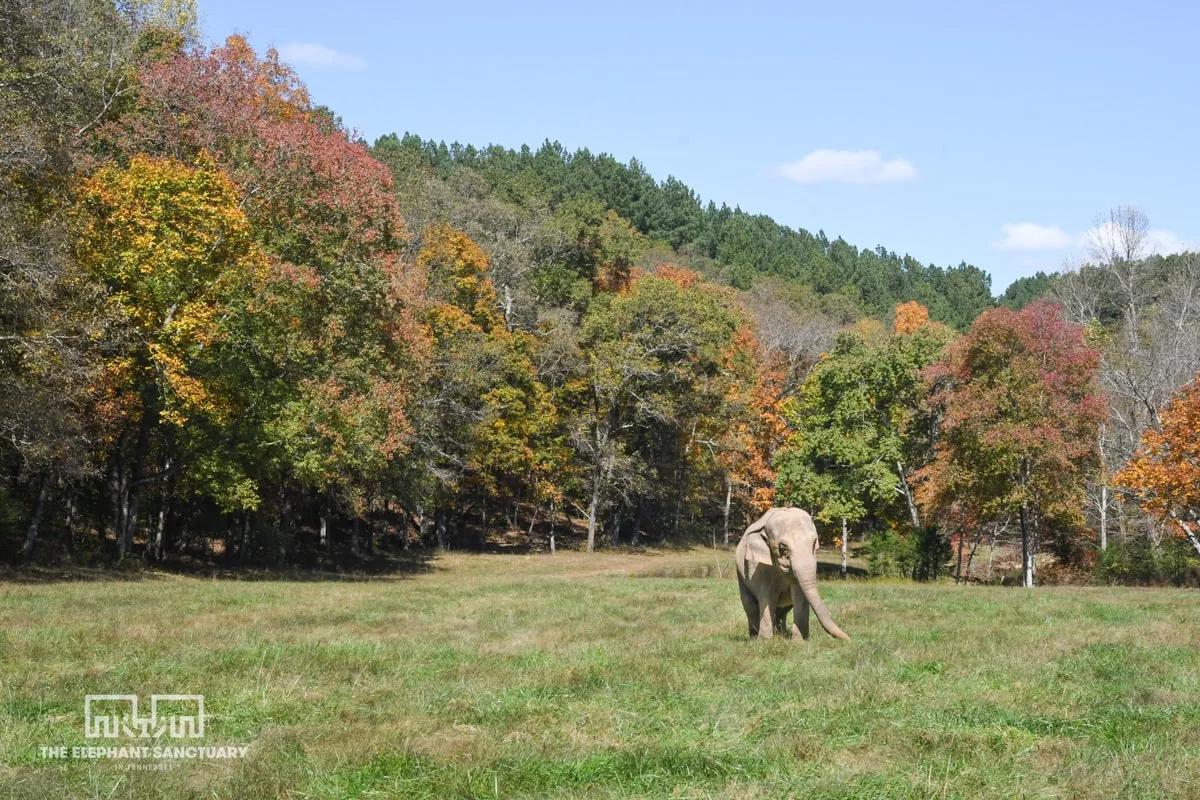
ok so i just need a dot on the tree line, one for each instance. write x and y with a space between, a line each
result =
729 246
231 329
1063 421
224 335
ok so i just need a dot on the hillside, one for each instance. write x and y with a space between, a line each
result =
726 245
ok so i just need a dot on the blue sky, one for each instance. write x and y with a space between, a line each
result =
990 135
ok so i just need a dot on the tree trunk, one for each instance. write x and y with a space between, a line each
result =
1035 548
1104 516
552 513
117 488
592 509
913 511
728 502
287 536
108 521
440 526
354 539
958 568
72 510
426 524
845 540
1103 489
460 530
133 485
35 521
1188 532
228 538
324 529
244 547
1026 553
614 536
160 529
508 307
160 533
372 534
683 482
991 554
971 555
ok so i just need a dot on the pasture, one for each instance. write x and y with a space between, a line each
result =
613 675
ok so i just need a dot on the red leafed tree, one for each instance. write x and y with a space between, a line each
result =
341 331
1019 408
1165 471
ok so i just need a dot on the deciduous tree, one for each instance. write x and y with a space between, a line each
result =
1020 409
174 251
1165 471
859 428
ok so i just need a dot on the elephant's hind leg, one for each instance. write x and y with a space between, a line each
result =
779 616
750 604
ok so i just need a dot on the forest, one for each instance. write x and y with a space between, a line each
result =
232 331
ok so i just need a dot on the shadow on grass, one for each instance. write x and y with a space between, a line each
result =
827 570
345 568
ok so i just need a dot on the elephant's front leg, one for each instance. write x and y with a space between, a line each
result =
750 605
799 613
766 620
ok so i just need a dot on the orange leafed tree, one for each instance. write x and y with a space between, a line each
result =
910 318
1165 472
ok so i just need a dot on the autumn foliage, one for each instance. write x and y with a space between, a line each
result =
910 317
255 336
1165 472
1020 410
175 253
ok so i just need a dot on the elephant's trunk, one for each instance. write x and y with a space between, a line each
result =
807 576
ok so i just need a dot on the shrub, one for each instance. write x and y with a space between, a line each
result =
921 556
1136 561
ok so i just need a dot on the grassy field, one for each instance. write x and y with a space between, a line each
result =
618 675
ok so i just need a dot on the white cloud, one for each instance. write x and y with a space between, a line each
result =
848 166
1157 241
1165 243
1031 236
318 55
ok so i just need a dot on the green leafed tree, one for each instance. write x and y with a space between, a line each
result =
859 429
653 371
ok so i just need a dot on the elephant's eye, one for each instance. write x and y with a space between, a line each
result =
783 549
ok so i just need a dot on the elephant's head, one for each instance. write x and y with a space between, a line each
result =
791 540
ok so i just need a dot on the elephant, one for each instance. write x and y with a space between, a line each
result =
777 570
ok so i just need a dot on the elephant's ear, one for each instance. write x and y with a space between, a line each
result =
760 523
759 528
757 551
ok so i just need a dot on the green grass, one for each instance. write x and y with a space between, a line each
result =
618 675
